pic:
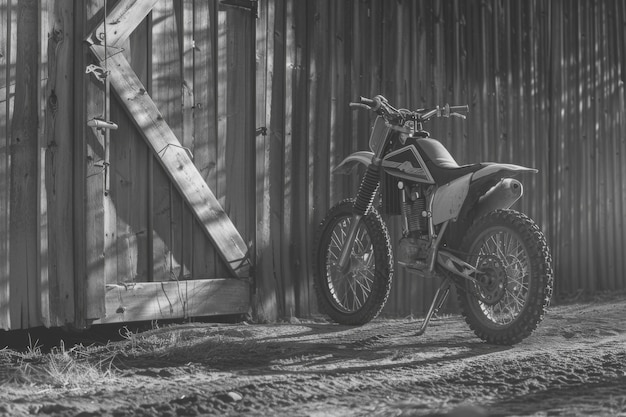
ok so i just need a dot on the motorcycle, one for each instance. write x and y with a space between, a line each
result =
457 227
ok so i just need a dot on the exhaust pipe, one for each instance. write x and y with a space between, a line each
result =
501 196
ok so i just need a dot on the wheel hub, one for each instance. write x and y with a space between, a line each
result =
492 280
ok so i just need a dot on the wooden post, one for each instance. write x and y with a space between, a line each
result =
88 180
57 147
24 151
266 303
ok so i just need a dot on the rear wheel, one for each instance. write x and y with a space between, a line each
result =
356 294
515 288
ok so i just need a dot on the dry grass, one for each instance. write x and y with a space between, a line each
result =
60 368
175 346
88 366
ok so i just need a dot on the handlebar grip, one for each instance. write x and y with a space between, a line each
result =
367 101
360 106
464 108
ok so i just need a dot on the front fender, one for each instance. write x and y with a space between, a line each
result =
351 162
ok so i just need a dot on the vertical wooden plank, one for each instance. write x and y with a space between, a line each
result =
185 19
569 208
319 115
11 86
222 105
335 65
88 178
129 175
275 116
537 108
5 168
128 193
236 179
618 135
606 147
57 273
302 247
186 33
556 120
588 154
614 129
287 245
267 306
391 17
205 261
239 162
165 90
44 68
24 152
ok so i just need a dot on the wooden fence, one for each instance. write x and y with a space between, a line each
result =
545 85
544 81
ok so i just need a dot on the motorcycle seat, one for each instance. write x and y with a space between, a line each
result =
441 164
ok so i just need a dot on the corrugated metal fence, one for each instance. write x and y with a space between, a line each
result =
544 81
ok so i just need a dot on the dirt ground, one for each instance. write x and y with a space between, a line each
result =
574 364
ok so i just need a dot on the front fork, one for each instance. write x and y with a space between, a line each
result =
346 251
363 204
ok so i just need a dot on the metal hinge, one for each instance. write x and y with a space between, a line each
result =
249 5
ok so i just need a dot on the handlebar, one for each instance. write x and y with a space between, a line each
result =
381 106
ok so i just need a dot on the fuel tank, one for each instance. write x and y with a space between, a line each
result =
407 163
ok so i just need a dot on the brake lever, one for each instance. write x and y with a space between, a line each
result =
462 116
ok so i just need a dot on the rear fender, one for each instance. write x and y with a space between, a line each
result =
501 196
489 190
501 170
349 164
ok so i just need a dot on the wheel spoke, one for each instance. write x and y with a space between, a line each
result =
335 241
350 289
511 252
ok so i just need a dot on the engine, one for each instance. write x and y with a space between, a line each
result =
414 247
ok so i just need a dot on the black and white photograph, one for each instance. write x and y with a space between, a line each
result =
313 208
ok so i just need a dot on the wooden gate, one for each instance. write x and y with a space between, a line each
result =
170 194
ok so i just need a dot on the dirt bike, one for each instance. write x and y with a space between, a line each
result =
457 226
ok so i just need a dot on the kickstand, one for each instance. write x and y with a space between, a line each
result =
440 297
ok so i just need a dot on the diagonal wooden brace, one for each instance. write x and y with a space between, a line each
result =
176 162
122 21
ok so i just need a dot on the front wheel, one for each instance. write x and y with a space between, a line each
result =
515 286
356 294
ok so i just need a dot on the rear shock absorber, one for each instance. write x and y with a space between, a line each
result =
367 190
